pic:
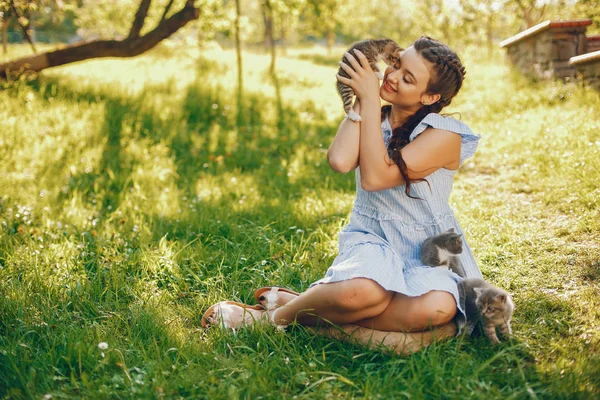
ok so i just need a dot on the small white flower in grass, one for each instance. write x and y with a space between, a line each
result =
47 396
263 262
103 345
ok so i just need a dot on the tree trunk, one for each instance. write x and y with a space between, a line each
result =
238 53
489 32
282 39
330 41
269 33
5 24
268 23
129 47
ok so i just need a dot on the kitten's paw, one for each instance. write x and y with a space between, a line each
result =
379 75
354 116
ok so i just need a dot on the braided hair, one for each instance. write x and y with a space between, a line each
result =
446 80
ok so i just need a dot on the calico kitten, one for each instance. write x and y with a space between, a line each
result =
491 305
374 50
444 250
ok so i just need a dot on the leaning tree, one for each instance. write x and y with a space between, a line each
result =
133 45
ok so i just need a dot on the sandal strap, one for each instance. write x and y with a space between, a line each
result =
272 289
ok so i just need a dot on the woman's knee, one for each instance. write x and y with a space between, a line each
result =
435 308
359 294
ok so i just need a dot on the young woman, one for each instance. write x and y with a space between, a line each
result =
405 156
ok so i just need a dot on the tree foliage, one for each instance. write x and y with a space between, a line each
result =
285 22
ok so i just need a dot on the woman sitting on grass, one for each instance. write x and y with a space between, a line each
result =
407 155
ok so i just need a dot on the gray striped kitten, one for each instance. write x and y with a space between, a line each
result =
375 50
485 302
444 250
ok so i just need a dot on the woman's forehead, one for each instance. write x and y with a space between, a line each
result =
412 61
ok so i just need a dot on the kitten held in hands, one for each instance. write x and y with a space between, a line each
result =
375 50
492 305
444 250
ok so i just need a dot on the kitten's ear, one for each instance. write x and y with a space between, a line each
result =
450 230
501 297
478 291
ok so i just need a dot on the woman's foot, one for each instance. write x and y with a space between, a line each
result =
229 314
274 297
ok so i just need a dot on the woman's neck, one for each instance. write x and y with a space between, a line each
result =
398 116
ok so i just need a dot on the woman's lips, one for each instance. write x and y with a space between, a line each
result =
387 87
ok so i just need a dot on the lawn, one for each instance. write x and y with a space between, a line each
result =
135 193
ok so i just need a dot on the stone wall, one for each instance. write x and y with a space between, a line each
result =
588 68
545 49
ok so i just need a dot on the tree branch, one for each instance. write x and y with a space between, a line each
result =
140 16
129 47
18 15
542 12
167 8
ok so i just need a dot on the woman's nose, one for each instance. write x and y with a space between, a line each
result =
393 76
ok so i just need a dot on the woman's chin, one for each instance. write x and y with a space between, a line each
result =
385 96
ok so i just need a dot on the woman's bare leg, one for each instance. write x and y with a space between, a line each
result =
339 302
411 314
400 327
398 342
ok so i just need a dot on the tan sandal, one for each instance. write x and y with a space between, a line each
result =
231 315
267 296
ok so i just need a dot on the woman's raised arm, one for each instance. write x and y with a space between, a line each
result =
343 151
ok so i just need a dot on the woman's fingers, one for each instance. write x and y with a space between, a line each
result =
348 69
345 81
353 62
363 60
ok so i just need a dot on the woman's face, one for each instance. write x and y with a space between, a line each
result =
406 85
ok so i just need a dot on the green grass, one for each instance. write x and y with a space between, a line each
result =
135 194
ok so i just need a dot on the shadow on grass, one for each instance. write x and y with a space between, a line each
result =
226 259
200 130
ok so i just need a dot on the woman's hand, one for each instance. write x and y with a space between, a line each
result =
363 80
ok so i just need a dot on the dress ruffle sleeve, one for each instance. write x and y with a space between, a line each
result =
469 140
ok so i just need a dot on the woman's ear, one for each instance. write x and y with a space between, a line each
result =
429 99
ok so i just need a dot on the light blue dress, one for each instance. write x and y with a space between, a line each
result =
383 239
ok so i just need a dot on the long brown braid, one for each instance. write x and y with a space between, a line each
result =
447 77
